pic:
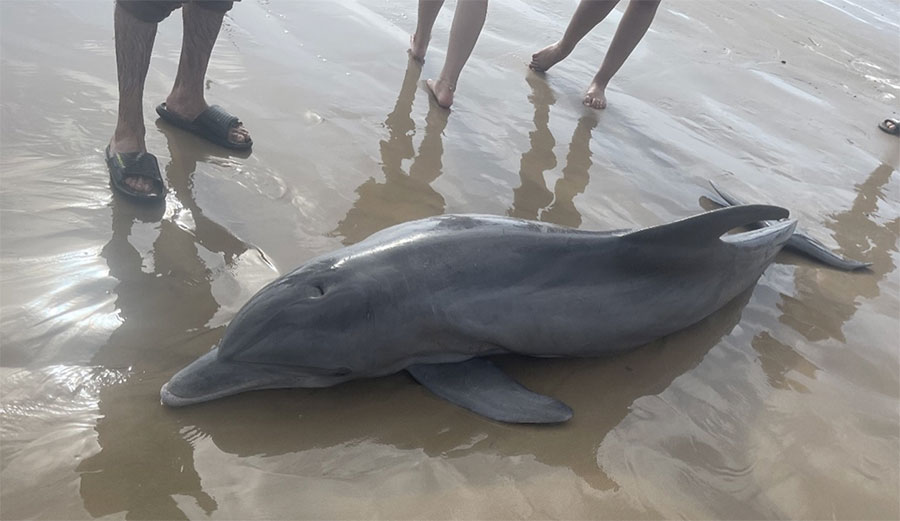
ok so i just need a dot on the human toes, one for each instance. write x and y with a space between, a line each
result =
140 184
539 60
239 134
595 102
547 57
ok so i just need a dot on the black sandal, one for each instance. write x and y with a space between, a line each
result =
135 164
213 124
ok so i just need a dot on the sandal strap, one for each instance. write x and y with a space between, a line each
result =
217 120
143 165
140 165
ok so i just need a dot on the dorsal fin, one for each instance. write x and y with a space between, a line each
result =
708 226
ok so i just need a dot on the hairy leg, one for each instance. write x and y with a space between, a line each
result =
201 28
467 23
134 43
418 42
635 22
587 15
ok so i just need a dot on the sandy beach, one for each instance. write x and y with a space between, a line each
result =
783 405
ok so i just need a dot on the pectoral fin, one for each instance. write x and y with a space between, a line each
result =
481 387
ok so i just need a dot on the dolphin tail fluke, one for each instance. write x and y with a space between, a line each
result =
481 387
815 249
799 241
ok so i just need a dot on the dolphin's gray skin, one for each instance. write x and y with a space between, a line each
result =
434 296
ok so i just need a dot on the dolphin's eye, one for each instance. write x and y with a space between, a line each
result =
318 290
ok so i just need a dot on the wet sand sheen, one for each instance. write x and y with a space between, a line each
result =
784 404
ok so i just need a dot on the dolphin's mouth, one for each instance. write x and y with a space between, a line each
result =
775 234
209 378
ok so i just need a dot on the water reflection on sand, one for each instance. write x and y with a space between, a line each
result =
781 405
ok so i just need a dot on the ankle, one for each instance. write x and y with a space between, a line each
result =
444 83
564 48
183 99
126 144
599 83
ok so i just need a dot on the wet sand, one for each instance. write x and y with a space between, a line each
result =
782 405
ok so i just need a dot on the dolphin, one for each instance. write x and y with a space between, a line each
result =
799 241
434 297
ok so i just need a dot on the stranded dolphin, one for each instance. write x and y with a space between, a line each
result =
434 296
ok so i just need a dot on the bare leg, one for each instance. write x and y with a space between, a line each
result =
632 28
134 43
587 15
467 23
201 28
418 42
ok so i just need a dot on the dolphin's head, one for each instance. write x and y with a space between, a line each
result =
306 329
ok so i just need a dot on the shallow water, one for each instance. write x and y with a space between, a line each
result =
782 405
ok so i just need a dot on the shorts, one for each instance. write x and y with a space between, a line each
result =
155 11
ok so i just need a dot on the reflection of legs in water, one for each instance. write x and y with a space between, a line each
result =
820 312
163 300
427 165
467 23
634 24
185 154
826 299
533 193
855 231
400 125
401 197
574 179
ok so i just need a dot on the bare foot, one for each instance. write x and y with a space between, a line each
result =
595 97
417 49
190 109
442 92
547 57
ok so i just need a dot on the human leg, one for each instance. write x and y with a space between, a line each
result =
202 21
633 26
418 41
587 15
134 42
467 23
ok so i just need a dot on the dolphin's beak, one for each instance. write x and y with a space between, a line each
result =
208 378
